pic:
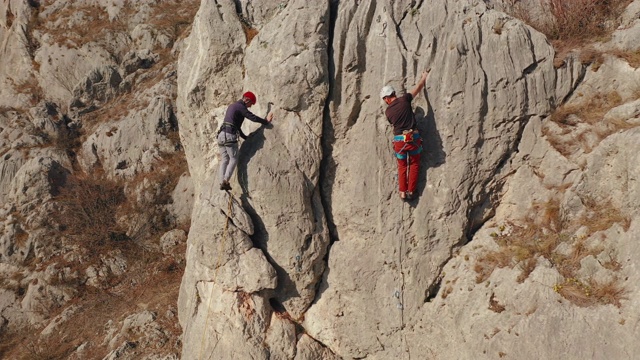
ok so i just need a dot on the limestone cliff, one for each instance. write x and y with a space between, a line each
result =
346 263
520 245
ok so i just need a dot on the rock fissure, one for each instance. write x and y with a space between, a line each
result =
484 208
327 140
575 85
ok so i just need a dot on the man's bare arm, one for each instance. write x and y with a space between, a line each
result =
420 84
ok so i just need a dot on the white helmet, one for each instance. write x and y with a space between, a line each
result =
387 91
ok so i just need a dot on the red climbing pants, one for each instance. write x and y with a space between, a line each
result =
410 164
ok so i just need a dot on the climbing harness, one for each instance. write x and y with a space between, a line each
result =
408 137
215 273
233 136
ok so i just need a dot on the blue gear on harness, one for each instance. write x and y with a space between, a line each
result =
235 132
407 138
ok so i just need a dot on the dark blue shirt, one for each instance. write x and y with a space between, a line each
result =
236 113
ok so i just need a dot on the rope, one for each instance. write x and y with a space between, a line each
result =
215 274
401 297
403 240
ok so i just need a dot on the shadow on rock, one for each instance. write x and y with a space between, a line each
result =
248 149
433 154
286 288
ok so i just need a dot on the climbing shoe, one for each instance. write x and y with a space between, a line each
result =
224 185
410 195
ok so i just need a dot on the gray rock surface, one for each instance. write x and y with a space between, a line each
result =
312 255
67 85
381 294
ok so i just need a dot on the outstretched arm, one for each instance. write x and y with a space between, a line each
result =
251 116
268 120
420 84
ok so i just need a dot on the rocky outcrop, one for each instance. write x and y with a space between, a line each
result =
525 221
294 241
391 267
88 137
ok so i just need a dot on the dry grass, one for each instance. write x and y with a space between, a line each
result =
32 88
577 21
89 204
64 28
151 282
590 112
176 16
117 108
526 267
589 55
5 110
583 19
165 174
123 104
249 33
150 286
522 245
152 219
173 17
12 341
86 212
21 237
601 215
632 57
68 140
9 16
494 305
590 293
572 24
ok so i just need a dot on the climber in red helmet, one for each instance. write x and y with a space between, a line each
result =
407 142
230 130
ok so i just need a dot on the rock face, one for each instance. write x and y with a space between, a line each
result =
294 240
521 244
88 138
358 272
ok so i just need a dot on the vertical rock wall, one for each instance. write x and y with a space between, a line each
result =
347 266
277 182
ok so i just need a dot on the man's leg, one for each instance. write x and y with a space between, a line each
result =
414 170
224 162
398 146
402 175
232 153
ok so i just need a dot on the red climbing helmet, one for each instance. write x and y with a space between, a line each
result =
249 95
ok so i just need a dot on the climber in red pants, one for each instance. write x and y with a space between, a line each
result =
407 142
